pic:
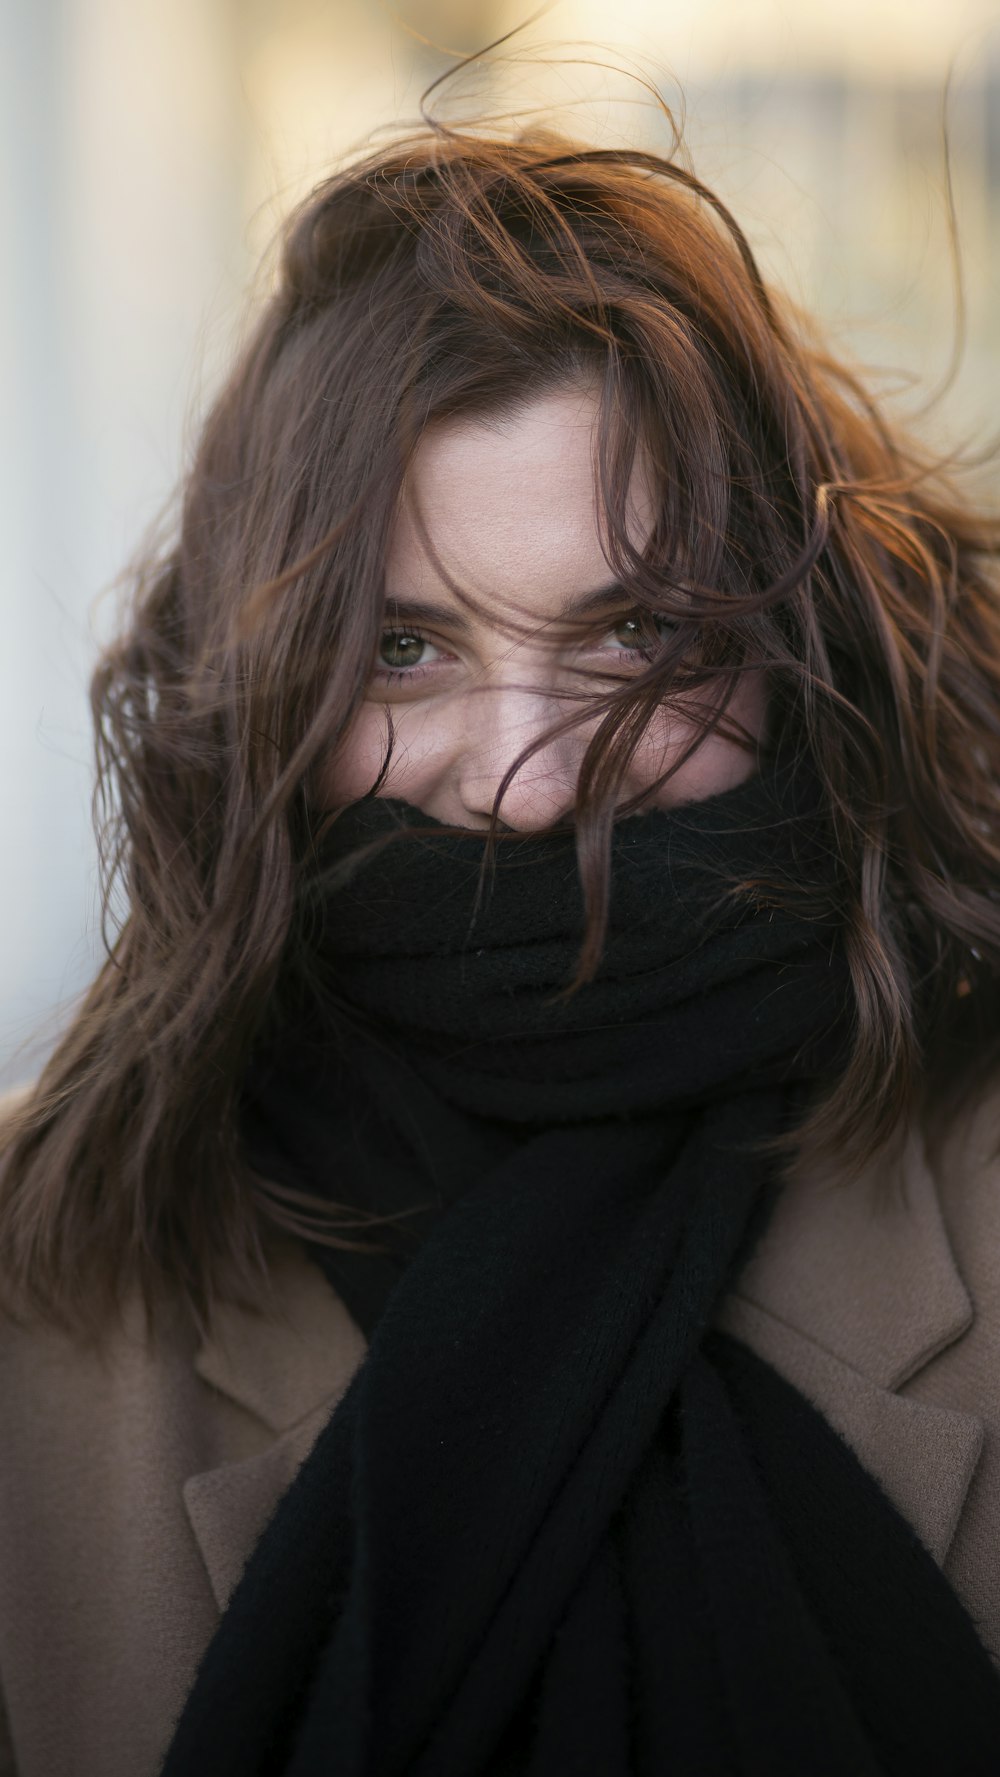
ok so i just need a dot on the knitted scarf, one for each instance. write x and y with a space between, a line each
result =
559 1524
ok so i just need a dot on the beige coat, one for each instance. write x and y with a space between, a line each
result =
131 1489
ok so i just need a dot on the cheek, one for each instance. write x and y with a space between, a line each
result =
423 743
718 764
355 766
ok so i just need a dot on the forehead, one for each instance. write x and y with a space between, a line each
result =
511 507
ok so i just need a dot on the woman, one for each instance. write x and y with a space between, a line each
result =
500 1269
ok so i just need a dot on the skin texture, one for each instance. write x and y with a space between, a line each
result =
512 511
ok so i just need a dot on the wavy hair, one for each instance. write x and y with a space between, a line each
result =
798 531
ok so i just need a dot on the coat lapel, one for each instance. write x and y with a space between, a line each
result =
288 1370
853 1290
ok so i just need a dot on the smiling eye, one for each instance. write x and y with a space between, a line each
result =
400 648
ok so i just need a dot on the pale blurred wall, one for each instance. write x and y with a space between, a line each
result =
147 151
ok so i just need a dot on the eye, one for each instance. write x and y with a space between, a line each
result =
399 649
627 632
640 632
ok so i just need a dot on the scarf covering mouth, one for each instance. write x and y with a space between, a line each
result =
560 1524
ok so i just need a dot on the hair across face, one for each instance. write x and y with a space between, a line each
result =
497 375
462 687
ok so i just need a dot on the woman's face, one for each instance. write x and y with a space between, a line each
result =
512 510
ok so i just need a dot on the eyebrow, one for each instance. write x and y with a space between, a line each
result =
399 609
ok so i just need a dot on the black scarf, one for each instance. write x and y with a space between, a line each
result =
559 1524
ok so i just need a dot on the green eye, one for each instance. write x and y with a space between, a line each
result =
398 649
627 632
640 633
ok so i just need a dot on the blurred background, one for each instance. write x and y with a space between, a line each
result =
148 150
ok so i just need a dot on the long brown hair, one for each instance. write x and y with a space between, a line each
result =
456 272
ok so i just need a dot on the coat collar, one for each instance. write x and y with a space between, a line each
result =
288 1370
863 1266
283 1365
852 1291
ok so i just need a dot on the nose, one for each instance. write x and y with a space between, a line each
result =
501 723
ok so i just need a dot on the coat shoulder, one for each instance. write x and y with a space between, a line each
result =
965 1376
138 1472
106 1602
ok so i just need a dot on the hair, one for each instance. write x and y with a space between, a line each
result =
460 273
